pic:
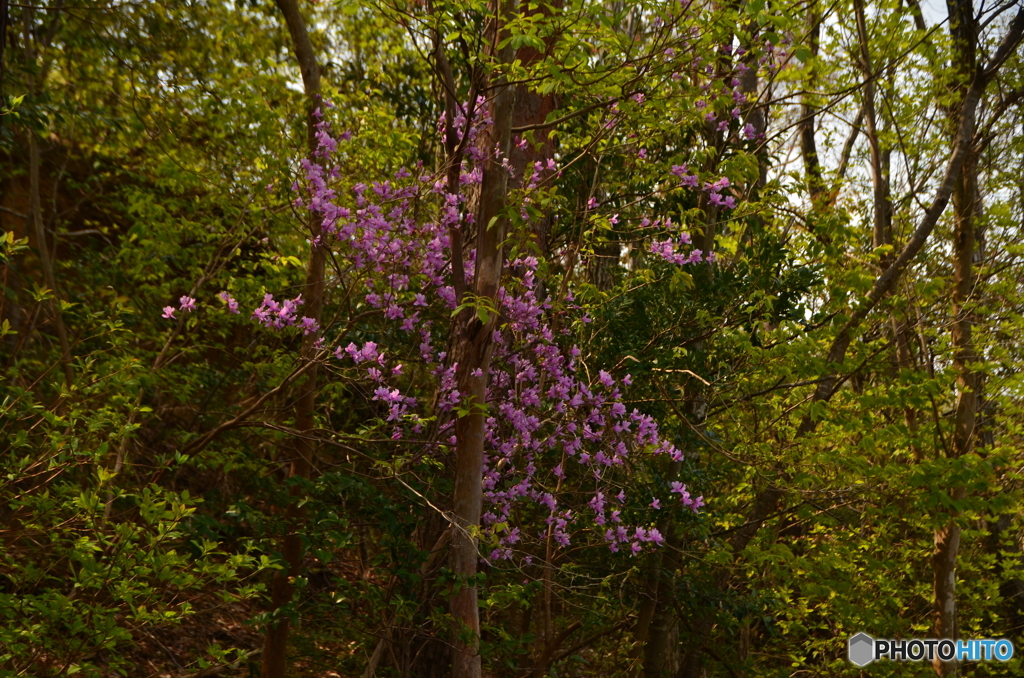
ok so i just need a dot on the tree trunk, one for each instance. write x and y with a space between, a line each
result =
947 537
881 201
472 351
808 143
661 646
964 33
275 652
36 208
652 628
47 262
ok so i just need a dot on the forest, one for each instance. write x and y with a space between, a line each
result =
510 338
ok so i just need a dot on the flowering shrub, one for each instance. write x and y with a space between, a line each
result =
546 417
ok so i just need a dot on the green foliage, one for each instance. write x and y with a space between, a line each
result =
141 498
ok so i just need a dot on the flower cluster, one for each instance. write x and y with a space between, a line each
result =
546 416
284 314
684 496
549 424
549 419
666 249
714 189
186 304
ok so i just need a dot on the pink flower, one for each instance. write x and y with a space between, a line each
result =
719 185
543 398
727 202
229 300
693 504
188 304
169 312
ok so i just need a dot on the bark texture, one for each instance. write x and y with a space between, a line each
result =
964 33
472 352
808 115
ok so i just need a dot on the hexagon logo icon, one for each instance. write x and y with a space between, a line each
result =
861 649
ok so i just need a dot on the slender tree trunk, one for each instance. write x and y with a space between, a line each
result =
808 143
881 201
474 344
964 33
528 122
275 651
947 537
947 547
36 211
660 650
651 630
44 257
648 604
